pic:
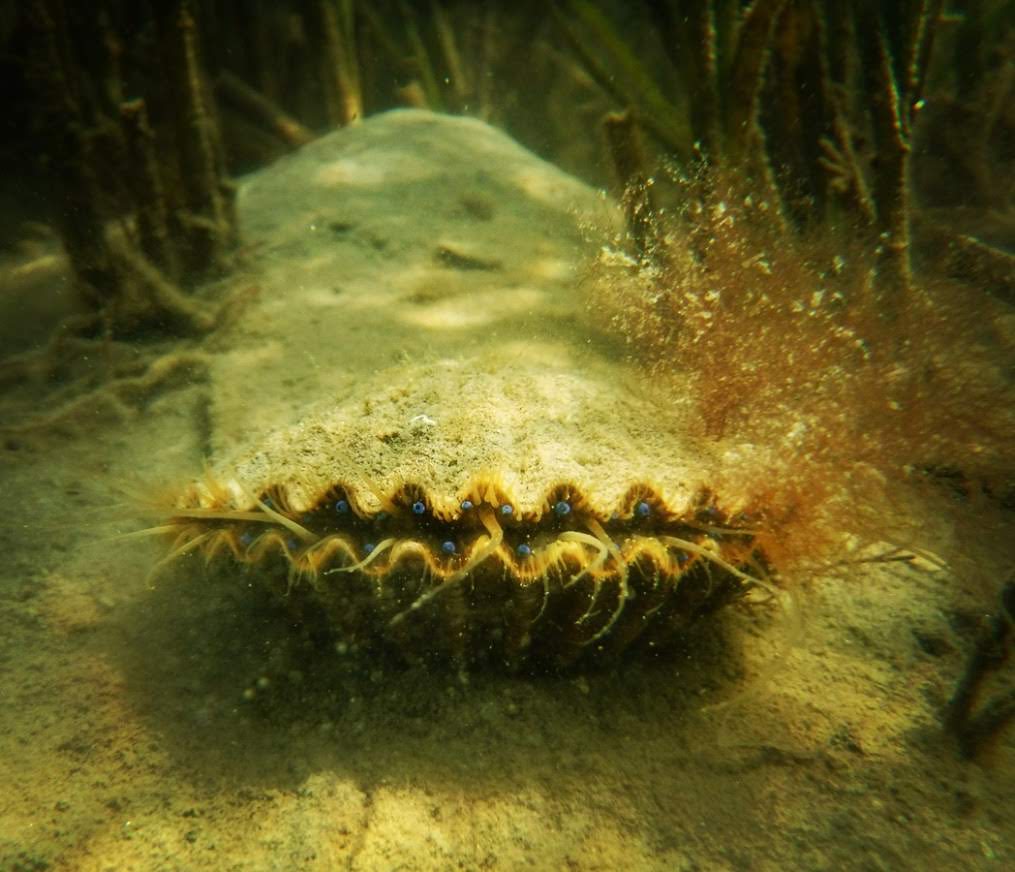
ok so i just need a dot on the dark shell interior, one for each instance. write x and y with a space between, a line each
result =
482 579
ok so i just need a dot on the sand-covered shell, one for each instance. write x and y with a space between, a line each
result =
415 428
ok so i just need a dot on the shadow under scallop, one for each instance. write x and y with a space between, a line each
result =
243 691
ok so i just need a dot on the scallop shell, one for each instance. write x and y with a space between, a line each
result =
506 489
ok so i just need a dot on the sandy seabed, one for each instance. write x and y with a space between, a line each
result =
413 285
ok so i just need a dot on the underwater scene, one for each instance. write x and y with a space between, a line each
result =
443 435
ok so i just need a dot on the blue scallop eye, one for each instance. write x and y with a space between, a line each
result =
507 509
368 547
418 507
562 508
246 538
682 557
524 550
643 509
341 507
448 547
466 505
